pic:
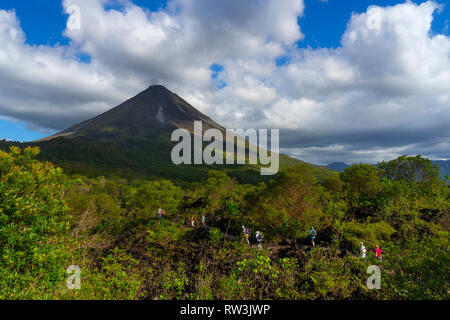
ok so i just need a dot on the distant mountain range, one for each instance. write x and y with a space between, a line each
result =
133 140
444 167
338 166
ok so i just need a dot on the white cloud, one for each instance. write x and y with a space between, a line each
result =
384 90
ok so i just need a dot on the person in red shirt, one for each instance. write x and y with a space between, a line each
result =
378 253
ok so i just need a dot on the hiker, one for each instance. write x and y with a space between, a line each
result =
378 253
246 234
259 240
164 213
313 234
204 221
362 251
193 222
158 213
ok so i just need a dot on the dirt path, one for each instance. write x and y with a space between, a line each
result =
289 249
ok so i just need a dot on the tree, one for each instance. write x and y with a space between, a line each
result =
147 198
292 198
413 184
32 216
294 190
363 188
218 189
410 169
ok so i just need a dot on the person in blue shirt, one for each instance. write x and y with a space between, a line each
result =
259 240
313 234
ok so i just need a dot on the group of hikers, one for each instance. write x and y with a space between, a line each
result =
246 236
203 221
362 249
245 232
160 213
363 252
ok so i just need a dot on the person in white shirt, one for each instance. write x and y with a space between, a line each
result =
158 213
204 221
362 251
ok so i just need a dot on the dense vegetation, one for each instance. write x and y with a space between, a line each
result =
108 227
144 158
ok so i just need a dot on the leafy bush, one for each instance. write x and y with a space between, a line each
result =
174 283
260 276
326 276
117 278
419 270
145 199
215 237
371 234
32 221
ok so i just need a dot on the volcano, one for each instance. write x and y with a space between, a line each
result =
146 115
133 141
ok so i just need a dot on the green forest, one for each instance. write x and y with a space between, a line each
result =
109 227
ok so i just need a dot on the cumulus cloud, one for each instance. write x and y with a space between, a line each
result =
384 92
386 87
47 86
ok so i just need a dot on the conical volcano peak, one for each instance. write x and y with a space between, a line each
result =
150 112
156 91
157 87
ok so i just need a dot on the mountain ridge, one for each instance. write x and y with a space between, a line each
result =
444 167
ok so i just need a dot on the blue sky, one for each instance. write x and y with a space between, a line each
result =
239 79
323 23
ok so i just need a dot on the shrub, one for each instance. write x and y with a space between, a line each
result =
32 221
371 234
